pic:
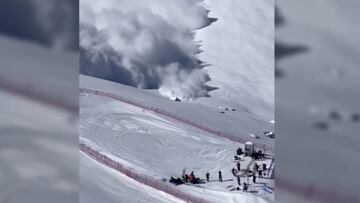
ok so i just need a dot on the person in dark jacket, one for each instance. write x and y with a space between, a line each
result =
233 171
186 178
239 151
238 166
254 178
192 178
256 167
207 176
220 176
261 155
238 180
260 173
245 187
176 181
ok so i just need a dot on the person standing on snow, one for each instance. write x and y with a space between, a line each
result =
254 178
233 171
238 166
238 180
220 177
186 178
245 187
256 167
207 176
239 151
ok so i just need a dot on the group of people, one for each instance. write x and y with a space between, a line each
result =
195 180
244 188
191 178
208 176
258 170
258 155
238 167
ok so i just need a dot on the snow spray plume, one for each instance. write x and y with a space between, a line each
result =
147 44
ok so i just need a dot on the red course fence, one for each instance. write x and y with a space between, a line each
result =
306 191
265 148
33 93
149 181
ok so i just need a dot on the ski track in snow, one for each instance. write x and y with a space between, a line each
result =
175 117
308 191
167 140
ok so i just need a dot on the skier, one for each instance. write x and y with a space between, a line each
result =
254 178
220 177
238 166
207 176
260 173
238 180
264 167
245 187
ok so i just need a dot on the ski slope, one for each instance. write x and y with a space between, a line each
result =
239 50
236 123
111 186
317 96
157 146
33 128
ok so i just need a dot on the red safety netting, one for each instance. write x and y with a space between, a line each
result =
149 181
265 148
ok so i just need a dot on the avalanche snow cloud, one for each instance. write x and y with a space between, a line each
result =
147 44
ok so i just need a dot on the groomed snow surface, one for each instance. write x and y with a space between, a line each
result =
38 137
318 99
239 50
156 146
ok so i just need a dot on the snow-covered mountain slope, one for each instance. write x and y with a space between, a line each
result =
239 47
157 45
28 144
318 100
38 143
161 147
40 70
237 123
98 183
